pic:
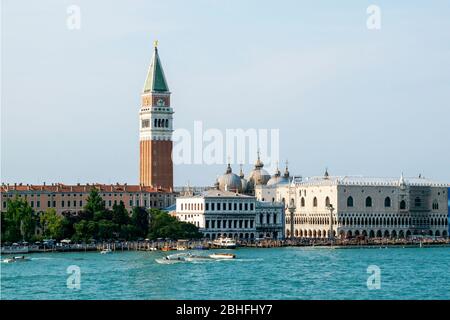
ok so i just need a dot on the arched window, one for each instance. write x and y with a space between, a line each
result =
403 205
315 202
417 202
368 202
327 202
156 123
435 205
387 202
167 123
350 202
302 202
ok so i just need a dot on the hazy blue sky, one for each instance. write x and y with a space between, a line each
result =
354 100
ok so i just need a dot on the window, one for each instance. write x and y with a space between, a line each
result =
218 206
350 202
315 202
302 202
435 205
387 202
327 202
402 205
145 123
368 202
417 202
251 206
240 206
38 204
246 207
206 206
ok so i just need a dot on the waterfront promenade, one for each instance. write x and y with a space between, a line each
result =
169 245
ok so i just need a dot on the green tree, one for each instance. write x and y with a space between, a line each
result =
140 220
120 214
85 230
107 230
94 206
162 225
19 221
52 224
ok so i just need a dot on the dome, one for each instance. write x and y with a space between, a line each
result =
244 182
277 178
230 181
258 175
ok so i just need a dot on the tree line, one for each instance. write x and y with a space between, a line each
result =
95 222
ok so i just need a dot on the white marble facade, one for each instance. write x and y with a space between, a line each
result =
372 207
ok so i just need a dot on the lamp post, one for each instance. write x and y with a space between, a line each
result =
291 209
330 233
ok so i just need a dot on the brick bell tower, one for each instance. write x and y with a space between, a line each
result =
155 129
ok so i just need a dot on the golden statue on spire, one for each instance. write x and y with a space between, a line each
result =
155 43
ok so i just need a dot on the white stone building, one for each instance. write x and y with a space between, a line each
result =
361 206
223 213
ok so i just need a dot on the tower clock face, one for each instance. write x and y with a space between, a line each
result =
160 103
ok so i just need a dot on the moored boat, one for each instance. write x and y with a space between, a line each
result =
224 243
106 251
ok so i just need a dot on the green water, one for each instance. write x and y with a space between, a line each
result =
279 273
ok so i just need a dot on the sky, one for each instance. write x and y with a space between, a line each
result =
354 100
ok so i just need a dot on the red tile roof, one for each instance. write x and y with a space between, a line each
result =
59 187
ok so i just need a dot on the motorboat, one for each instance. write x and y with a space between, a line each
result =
222 256
225 243
15 259
106 251
172 258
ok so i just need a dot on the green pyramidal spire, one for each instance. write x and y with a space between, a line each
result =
156 81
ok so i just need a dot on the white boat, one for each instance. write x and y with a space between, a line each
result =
222 256
106 251
9 260
193 258
225 243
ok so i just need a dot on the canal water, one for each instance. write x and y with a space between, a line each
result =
278 273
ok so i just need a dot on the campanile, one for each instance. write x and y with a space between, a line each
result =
155 128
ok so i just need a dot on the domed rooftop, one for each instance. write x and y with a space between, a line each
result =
244 182
230 181
258 175
277 178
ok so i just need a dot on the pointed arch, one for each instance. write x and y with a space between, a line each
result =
350 201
